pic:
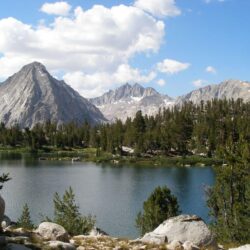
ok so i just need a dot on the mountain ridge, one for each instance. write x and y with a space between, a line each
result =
126 100
228 89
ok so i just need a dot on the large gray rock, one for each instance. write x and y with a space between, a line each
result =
52 231
182 228
2 208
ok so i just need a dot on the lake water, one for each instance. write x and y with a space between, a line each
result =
113 194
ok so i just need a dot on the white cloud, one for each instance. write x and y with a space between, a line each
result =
170 66
160 8
98 41
57 8
211 69
161 82
199 83
92 85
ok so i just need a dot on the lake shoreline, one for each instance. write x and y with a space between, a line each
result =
90 155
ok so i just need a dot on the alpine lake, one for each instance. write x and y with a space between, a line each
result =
114 194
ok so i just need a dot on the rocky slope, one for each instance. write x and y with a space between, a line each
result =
128 99
33 96
230 89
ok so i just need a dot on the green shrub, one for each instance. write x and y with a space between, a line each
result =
160 205
25 220
66 214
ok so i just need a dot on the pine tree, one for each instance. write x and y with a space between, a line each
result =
25 219
160 205
229 198
67 214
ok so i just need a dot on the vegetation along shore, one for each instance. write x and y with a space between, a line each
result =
188 135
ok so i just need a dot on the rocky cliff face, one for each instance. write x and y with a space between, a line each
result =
231 89
33 96
128 99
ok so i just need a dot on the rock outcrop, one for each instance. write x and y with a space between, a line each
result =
182 228
53 232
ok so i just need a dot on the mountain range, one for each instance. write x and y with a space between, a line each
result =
33 96
128 99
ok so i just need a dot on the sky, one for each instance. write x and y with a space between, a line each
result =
174 46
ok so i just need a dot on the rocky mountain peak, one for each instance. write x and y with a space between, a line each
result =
126 100
34 68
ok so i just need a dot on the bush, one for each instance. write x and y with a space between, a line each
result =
25 220
66 214
160 206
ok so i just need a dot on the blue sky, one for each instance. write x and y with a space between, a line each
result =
202 42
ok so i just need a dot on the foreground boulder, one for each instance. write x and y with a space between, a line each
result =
52 231
6 221
2 209
181 229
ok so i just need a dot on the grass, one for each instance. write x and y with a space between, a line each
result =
90 154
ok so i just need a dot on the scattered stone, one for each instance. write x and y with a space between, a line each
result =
5 222
183 228
97 232
18 239
81 248
52 231
20 231
154 238
61 245
244 247
175 245
188 245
